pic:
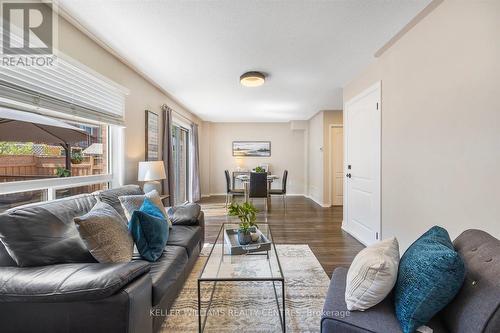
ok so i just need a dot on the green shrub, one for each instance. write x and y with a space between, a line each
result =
62 172
13 148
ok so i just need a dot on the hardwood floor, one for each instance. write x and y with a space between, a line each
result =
304 222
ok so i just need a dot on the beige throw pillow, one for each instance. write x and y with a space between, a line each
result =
105 234
372 275
134 202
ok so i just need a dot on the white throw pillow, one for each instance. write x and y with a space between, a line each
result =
134 202
372 275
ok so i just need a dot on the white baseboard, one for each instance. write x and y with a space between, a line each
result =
219 194
324 205
351 232
316 201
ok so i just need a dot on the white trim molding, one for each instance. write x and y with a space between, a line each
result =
353 233
288 195
116 155
324 205
419 17
53 183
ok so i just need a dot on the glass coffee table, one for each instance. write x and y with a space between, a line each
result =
221 266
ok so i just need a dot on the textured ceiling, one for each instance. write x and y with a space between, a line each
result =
197 50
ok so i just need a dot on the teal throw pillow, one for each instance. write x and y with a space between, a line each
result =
430 274
149 230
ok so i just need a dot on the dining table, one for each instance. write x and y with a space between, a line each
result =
245 179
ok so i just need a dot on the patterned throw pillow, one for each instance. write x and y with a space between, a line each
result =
149 230
430 274
111 196
131 203
105 234
372 275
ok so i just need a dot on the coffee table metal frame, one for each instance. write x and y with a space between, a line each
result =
201 323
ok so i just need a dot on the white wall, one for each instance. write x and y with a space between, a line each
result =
297 146
287 152
441 122
315 158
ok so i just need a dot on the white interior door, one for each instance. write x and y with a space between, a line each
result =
362 166
337 155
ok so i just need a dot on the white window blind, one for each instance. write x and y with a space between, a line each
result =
66 87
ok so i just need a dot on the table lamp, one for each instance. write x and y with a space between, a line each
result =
150 172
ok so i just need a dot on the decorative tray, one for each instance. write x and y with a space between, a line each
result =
234 247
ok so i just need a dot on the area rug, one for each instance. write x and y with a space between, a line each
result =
216 209
251 306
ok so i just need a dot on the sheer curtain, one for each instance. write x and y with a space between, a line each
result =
195 165
168 183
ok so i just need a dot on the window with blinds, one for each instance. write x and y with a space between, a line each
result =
37 168
66 87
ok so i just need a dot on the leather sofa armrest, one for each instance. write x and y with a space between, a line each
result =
140 317
67 282
127 310
201 223
187 214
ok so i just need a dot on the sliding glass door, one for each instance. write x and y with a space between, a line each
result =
180 142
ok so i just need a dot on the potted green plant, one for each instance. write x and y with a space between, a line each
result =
76 157
260 169
246 212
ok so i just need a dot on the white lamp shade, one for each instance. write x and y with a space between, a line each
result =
151 170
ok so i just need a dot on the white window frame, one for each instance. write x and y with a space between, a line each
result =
116 156
53 184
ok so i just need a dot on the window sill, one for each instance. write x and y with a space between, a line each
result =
52 183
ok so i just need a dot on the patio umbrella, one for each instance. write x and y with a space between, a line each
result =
20 126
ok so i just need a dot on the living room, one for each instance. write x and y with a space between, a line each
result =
255 166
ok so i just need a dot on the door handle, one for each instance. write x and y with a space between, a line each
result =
348 175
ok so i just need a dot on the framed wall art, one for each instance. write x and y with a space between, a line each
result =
152 136
252 148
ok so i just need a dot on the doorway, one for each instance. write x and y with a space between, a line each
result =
362 200
336 165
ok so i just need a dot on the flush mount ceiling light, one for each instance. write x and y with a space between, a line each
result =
252 79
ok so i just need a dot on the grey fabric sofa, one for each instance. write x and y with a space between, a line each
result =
474 310
90 296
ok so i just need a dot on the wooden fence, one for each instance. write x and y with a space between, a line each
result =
26 167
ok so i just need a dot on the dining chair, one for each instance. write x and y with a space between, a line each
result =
281 191
229 191
258 186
